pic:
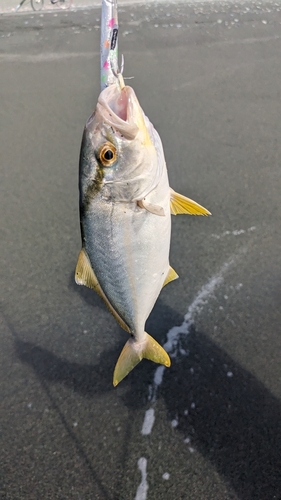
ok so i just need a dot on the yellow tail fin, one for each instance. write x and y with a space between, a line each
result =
133 352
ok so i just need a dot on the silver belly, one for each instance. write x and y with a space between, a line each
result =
129 251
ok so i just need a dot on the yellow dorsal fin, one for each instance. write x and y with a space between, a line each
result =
172 275
84 275
133 352
182 205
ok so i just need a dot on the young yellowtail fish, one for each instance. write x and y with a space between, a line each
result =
125 211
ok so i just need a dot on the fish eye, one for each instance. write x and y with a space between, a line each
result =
107 154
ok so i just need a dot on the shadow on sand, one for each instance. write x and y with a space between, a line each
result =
236 421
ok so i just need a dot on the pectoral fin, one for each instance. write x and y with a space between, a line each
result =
154 209
133 352
84 275
182 205
172 275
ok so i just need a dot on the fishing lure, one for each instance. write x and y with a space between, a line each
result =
109 69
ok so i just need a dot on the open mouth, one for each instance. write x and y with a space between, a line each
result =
119 105
117 109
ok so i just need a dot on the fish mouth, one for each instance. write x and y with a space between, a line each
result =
118 103
120 109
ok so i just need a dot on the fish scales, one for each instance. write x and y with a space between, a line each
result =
128 257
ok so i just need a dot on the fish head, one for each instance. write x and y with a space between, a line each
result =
118 158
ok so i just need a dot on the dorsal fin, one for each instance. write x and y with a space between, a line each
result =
84 275
182 205
172 275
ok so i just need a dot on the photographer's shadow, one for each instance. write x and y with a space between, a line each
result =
229 416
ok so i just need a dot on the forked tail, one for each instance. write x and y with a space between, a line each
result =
133 352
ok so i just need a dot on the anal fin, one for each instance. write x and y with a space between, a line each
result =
84 275
171 276
182 205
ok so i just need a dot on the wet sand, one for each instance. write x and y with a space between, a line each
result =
208 76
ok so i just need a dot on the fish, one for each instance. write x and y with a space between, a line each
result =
126 204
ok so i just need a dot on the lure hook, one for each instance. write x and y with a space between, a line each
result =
119 72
